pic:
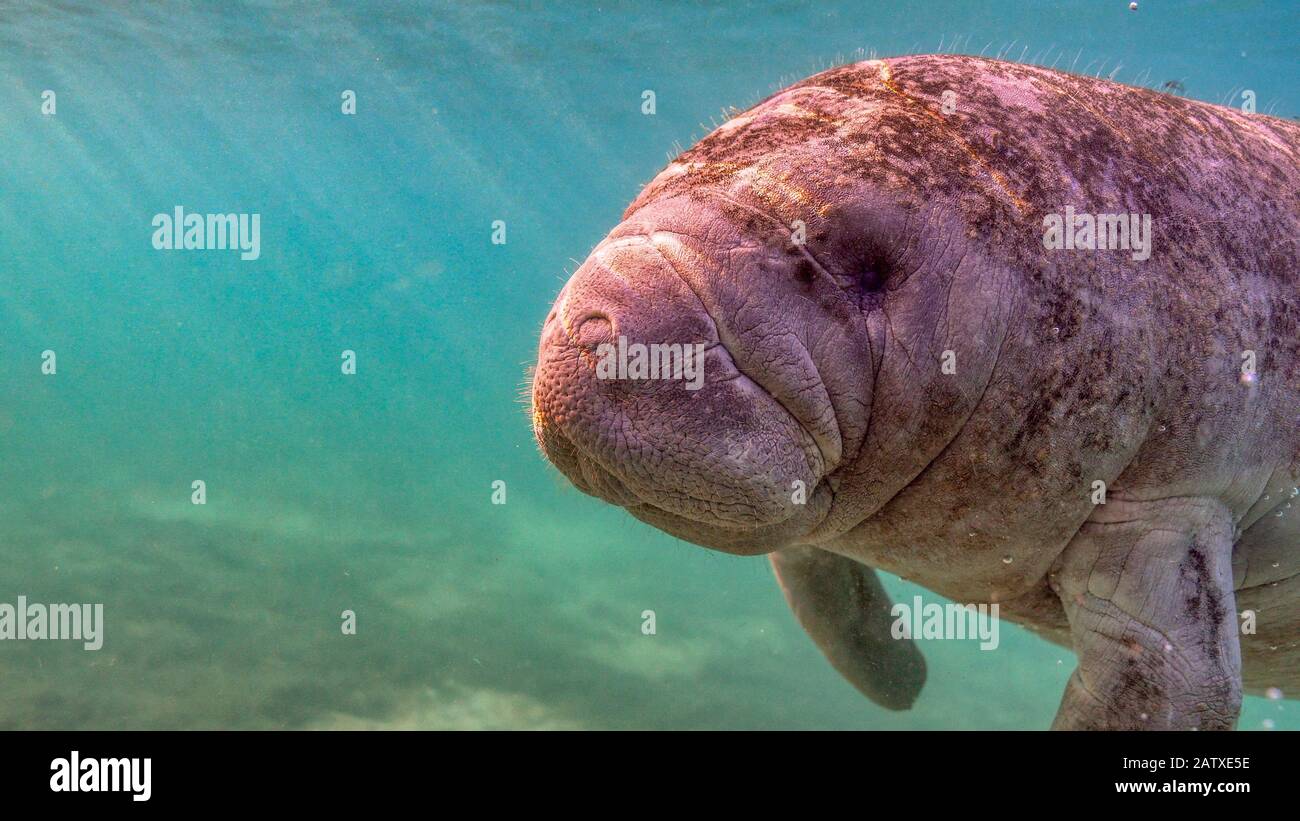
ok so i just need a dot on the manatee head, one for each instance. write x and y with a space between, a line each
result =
807 288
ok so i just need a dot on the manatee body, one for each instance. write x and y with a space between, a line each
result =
907 366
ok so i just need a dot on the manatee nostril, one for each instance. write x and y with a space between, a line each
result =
593 329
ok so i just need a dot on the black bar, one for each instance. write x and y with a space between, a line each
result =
332 770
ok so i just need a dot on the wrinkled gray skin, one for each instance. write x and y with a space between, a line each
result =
924 234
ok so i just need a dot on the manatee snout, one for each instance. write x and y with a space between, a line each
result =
639 399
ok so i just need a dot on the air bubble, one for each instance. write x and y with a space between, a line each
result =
1274 693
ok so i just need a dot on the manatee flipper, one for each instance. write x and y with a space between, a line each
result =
1147 588
841 604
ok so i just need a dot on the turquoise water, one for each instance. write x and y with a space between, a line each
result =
373 492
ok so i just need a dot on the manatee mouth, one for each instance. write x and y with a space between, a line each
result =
723 498
584 472
703 523
747 541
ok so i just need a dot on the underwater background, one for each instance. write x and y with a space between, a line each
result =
373 492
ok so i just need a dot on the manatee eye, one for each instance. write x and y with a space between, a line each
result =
871 280
874 271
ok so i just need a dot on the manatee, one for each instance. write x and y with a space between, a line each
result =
1022 337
